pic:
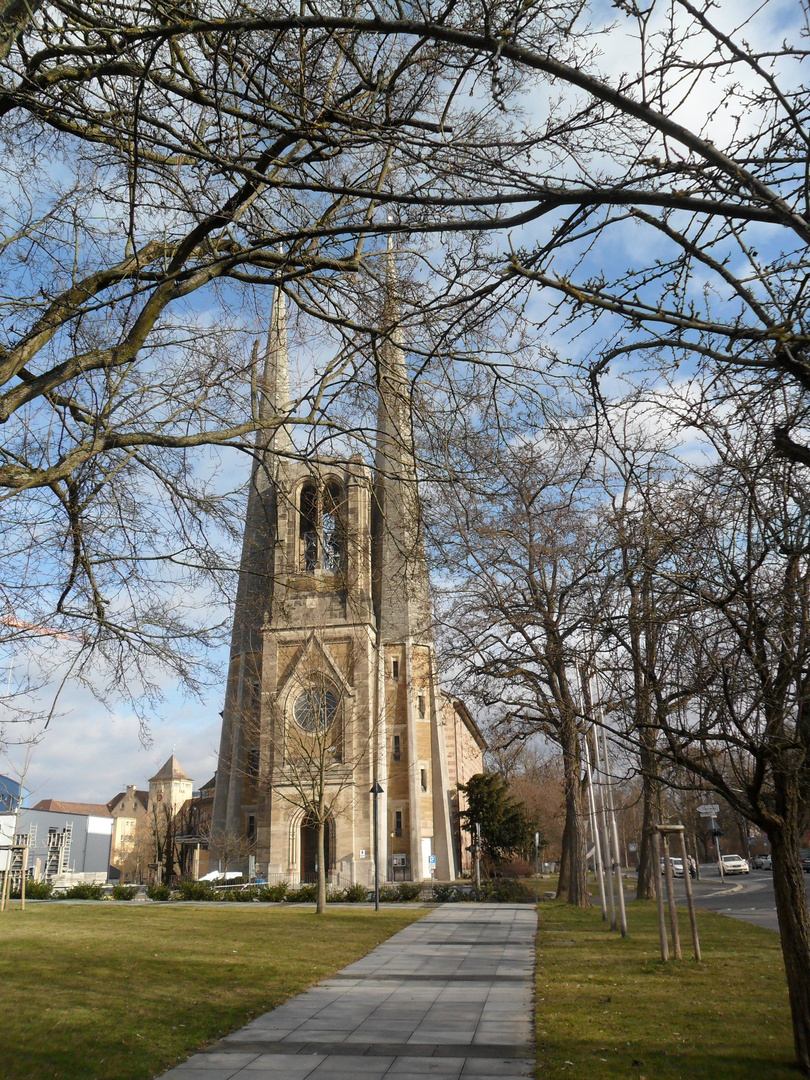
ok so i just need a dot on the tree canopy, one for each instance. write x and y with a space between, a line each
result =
506 830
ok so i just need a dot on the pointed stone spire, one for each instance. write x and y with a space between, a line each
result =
402 594
275 395
254 590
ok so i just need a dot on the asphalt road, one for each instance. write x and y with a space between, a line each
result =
743 896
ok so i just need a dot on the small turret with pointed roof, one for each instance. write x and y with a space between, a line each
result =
170 786
170 770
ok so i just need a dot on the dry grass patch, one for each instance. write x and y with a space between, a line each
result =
123 991
609 1009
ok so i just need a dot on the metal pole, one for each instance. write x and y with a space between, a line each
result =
597 845
600 849
22 877
613 829
716 835
375 791
601 814
537 868
478 857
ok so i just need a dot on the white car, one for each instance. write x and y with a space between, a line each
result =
677 865
734 864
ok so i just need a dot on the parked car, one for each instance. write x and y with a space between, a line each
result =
805 861
734 864
677 865
766 863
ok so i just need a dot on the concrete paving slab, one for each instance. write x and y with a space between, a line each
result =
450 996
282 1067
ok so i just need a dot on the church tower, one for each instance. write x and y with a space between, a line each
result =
332 679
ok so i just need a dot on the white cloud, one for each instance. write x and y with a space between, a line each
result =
88 755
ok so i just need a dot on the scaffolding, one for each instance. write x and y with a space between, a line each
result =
57 859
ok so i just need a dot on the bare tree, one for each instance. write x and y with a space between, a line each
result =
202 139
521 555
316 758
730 715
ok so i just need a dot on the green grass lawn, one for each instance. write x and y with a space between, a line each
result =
608 1008
123 991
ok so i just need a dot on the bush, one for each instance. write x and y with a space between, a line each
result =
510 892
305 894
239 896
123 892
389 894
35 890
273 894
158 892
409 891
445 894
355 894
83 890
195 890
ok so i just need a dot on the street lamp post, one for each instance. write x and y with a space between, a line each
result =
375 791
537 867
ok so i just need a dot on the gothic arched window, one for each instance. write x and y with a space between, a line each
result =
321 530
308 527
333 529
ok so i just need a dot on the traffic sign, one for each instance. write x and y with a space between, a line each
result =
708 809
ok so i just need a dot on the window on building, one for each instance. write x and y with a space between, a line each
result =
251 826
308 527
333 529
395 669
321 529
423 778
253 762
420 703
397 823
397 752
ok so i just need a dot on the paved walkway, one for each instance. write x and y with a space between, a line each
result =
450 997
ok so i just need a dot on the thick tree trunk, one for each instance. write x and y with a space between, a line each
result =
794 929
321 907
651 798
573 883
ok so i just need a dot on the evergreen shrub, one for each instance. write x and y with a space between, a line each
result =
123 892
273 894
158 892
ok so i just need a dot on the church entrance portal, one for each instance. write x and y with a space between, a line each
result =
309 851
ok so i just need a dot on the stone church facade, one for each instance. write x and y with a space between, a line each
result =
333 680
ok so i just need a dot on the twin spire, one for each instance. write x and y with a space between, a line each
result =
400 588
275 392
394 431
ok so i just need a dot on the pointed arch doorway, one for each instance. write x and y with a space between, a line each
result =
309 849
